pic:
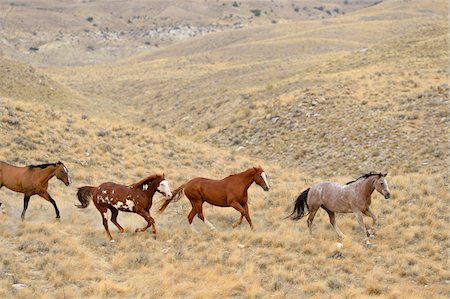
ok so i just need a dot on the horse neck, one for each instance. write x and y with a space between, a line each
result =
152 186
366 186
47 173
246 177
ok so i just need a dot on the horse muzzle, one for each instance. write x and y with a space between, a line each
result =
387 196
266 189
168 195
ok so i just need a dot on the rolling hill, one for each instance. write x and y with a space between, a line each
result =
310 90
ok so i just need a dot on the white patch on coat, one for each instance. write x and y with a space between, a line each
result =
164 188
105 215
112 192
129 204
104 192
118 205
144 187
264 177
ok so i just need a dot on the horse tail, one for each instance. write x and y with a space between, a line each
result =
84 195
176 195
299 206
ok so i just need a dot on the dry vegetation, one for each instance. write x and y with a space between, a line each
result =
310 100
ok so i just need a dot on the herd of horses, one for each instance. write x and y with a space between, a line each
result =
353 197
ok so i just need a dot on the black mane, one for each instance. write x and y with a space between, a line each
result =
364 176
45 165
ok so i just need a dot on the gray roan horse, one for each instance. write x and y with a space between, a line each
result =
353 197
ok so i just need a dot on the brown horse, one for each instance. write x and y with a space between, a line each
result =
33 179
353 197
228 192
136 198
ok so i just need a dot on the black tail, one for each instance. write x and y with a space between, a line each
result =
299 207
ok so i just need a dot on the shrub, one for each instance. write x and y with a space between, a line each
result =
256 12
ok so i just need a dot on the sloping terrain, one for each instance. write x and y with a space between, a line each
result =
45 258
309 99
295 93
72 33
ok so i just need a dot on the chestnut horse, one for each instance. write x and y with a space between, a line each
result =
353 197
136 198
228 192
33 179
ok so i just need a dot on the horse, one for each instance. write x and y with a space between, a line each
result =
228 192
353 197
33 180
136 198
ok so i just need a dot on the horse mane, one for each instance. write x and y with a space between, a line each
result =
236 173
365 176
146 180
45 165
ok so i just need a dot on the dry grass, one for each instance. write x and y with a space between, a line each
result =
154 112
278 259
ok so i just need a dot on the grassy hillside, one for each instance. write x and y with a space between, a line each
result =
72 257
345 90
306 97
24 82
88 32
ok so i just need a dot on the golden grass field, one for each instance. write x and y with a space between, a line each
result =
307 98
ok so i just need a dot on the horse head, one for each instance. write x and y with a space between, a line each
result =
260 178
163 186
381 186
62 173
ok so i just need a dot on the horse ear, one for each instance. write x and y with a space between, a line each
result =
385 174
163 175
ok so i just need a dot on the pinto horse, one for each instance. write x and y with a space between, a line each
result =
33 179
353 197
136 198
228 192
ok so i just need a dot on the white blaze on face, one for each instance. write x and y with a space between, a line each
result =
164 188
144 187
385 184
67 172
263 175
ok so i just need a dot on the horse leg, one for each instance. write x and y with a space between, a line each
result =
245 206
202 217
47 196
102 211
114 213
149 219
312 213
333 222
243 211
26 199
369 213
359 218
193 212
237 223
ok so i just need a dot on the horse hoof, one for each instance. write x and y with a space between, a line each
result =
112 241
